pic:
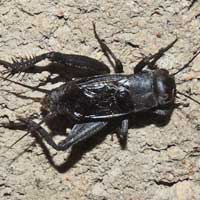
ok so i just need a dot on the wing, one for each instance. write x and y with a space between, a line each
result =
102 96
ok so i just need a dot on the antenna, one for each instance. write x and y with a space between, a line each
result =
186 65
189 97
23 136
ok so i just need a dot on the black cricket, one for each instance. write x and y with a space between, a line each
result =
93 98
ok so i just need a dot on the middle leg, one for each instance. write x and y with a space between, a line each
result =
117 66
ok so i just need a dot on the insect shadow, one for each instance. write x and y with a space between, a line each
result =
79 149
94 103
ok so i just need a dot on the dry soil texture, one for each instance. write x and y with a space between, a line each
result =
160 163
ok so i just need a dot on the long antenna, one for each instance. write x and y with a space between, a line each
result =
23 136
26 86
189 97
186 65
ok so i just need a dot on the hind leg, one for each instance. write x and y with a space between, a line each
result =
64 64
77 65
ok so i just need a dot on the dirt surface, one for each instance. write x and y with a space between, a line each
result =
160 163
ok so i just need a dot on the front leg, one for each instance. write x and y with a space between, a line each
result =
151 60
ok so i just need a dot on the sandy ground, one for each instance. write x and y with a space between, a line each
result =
160 163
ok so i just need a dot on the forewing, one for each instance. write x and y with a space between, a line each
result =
103 97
